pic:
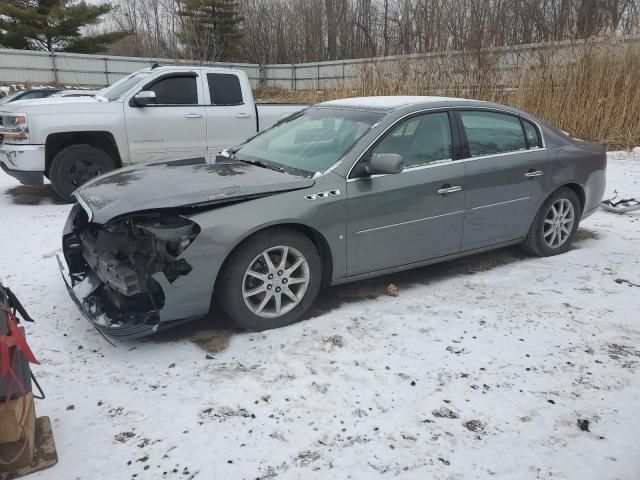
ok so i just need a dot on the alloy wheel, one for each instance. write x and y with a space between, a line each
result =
558 223
275 281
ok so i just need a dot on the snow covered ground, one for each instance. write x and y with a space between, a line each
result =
518 349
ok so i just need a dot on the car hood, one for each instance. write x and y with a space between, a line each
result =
180 183
18 105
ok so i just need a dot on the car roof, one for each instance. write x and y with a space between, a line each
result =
181 68
390 102
76 91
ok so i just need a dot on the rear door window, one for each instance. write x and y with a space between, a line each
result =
224 89
489 133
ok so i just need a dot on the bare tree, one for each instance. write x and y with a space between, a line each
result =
288 31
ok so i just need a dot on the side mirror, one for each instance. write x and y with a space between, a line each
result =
144 98
384 163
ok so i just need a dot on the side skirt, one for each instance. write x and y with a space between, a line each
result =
423 263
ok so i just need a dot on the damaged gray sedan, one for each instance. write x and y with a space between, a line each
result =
341 191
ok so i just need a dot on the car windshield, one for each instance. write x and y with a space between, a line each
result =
10 97
310 141
115 91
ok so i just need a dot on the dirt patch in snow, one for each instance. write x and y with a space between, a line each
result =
33 195
212 341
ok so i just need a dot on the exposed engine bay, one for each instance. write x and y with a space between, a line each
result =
127 256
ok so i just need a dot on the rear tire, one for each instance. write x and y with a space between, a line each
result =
555 225
260 297
75 165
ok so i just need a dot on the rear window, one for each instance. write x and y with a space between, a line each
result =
224 89
489 133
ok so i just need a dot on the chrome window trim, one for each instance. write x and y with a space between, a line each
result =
441 163
446 109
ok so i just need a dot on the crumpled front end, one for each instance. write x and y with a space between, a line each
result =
136 275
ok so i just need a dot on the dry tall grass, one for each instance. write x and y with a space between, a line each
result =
595 95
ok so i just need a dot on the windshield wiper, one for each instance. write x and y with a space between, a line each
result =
258 163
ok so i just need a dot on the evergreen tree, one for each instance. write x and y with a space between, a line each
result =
211 29
53 25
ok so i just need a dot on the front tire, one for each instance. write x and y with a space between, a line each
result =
75 165
270 280
555 225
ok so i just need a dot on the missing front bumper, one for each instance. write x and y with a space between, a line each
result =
84 295
135 286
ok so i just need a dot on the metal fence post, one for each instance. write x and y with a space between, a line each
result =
318 80
262 75
294 80
53 66
106 71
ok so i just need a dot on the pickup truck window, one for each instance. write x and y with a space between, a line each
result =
310 141
178 90
224 89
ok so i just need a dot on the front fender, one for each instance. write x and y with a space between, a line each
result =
44 123
224 228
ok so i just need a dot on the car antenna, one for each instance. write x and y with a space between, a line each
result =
155 65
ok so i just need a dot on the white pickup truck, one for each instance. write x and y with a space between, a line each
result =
153 114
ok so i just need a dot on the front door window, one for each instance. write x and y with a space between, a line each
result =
420 140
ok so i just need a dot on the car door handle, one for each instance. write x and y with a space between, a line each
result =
449 189
533 173
243 115
193 115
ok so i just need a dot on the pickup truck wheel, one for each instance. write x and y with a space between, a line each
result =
270 280
75 165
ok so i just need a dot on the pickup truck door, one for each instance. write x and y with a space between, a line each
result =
174 126
231 113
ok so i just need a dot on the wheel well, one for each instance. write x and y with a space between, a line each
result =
321 244
312 234
579 191
102 140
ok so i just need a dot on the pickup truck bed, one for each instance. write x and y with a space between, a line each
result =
269 113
